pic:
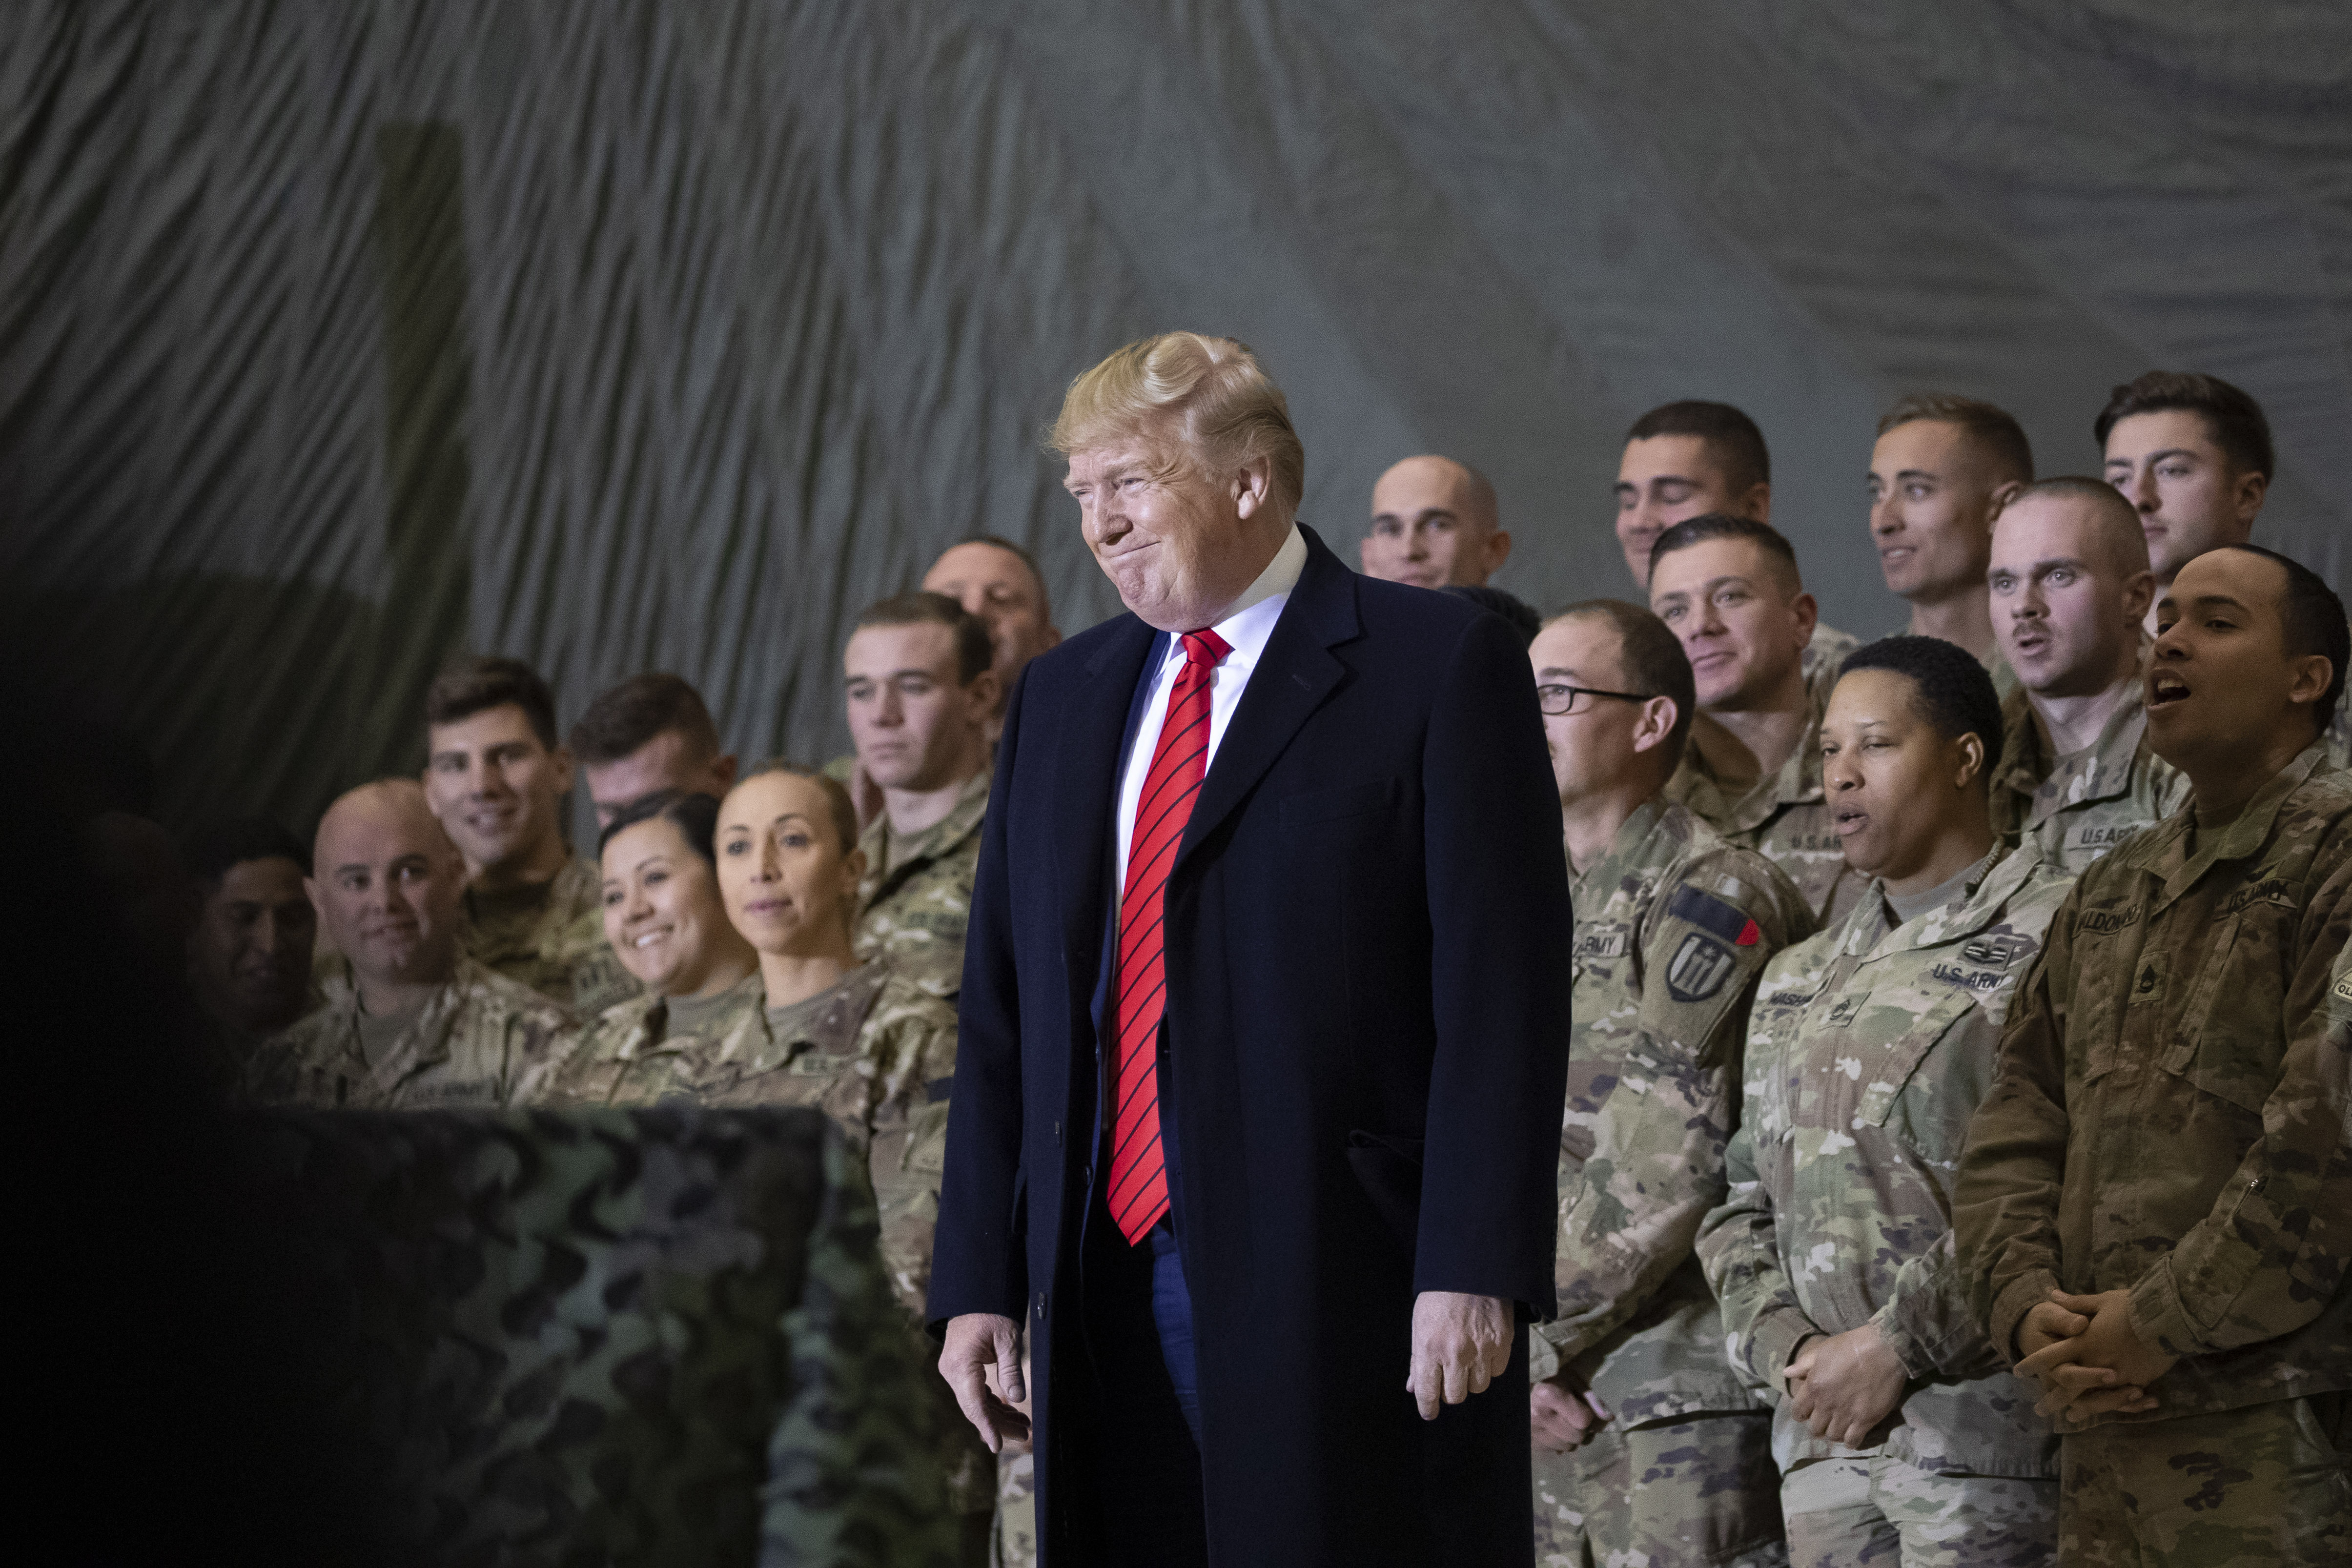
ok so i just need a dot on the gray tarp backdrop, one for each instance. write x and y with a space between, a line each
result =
667 334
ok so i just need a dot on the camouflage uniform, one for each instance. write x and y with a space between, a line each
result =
1674 926
1868 1048
2338 739
480 1041
2077 808
914 914
1823 659
873 1052
603 1336
2171 1119
551 939
1784 817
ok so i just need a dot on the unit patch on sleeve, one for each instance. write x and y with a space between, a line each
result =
1711 913
1698 968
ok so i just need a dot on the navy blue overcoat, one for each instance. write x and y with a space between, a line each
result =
1368 939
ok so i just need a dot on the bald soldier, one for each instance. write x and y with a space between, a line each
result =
409 1022
2155 1196
2069 583
998 581
1434 524
1942 469
496 777
1730 590
1688 459
1648 1447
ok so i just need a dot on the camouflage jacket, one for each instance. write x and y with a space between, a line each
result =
915 914
1673 928
641 1337
1824 659
554 945
2077 808
1869 1047
1784 817
2172 1108
477 1044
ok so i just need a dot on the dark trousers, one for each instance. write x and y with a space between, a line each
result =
1145 1462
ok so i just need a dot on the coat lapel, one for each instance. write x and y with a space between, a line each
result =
1297 673
1085 769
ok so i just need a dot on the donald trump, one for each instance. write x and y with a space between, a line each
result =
1264 1023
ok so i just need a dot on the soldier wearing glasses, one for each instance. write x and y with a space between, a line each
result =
1648 1446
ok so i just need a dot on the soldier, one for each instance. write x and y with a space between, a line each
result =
1899 1434
1727 587
1649 1448
497 778
1688 459
2155 1195
2193 455
1434 523
668 926
2069 582
822 1029
249 954
649 735
920 689
999 581
1943 468
410 1022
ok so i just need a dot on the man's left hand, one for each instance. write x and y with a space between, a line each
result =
1842 1385
2106 1368
1460 1345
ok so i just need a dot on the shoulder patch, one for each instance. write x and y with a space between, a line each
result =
2343 987
1711 913
1700 967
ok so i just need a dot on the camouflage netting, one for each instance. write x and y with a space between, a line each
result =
667 335
653 1336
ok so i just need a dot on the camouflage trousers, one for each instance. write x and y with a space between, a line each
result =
2265 1484
1015 1542
1701 1492
1873 1509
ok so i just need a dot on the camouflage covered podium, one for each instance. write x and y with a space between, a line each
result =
601 1336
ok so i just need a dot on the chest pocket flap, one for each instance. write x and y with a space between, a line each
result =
1888 1066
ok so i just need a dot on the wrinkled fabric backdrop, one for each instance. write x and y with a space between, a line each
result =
665 335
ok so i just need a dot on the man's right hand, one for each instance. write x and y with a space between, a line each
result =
1564 1415
976 1343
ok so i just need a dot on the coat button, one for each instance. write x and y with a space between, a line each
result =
1057 1135
1041 1303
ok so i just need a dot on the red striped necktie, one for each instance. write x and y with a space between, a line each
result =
1139 1170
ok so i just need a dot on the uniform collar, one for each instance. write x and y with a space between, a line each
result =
2163 851
942 838
1796 782
826 1023
423 1043
1993 882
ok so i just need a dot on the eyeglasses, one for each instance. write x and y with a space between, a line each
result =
1560 700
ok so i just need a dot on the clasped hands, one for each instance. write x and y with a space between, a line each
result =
1460 1345
2086 1357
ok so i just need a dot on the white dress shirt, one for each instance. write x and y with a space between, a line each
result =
1245 625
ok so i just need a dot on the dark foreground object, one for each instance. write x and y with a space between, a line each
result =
650 1336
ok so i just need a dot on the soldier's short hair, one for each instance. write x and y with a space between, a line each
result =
2233 419
1018 552
1654 661
1990 426
213 847
970 633
836 798
2311 621
625 717
693 814
1949 688
476 682
1780 553
1521 615
2119 528
1731 437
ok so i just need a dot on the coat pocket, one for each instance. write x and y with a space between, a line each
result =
1388 1170
1885 1070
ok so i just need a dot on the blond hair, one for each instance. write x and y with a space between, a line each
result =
1206 396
